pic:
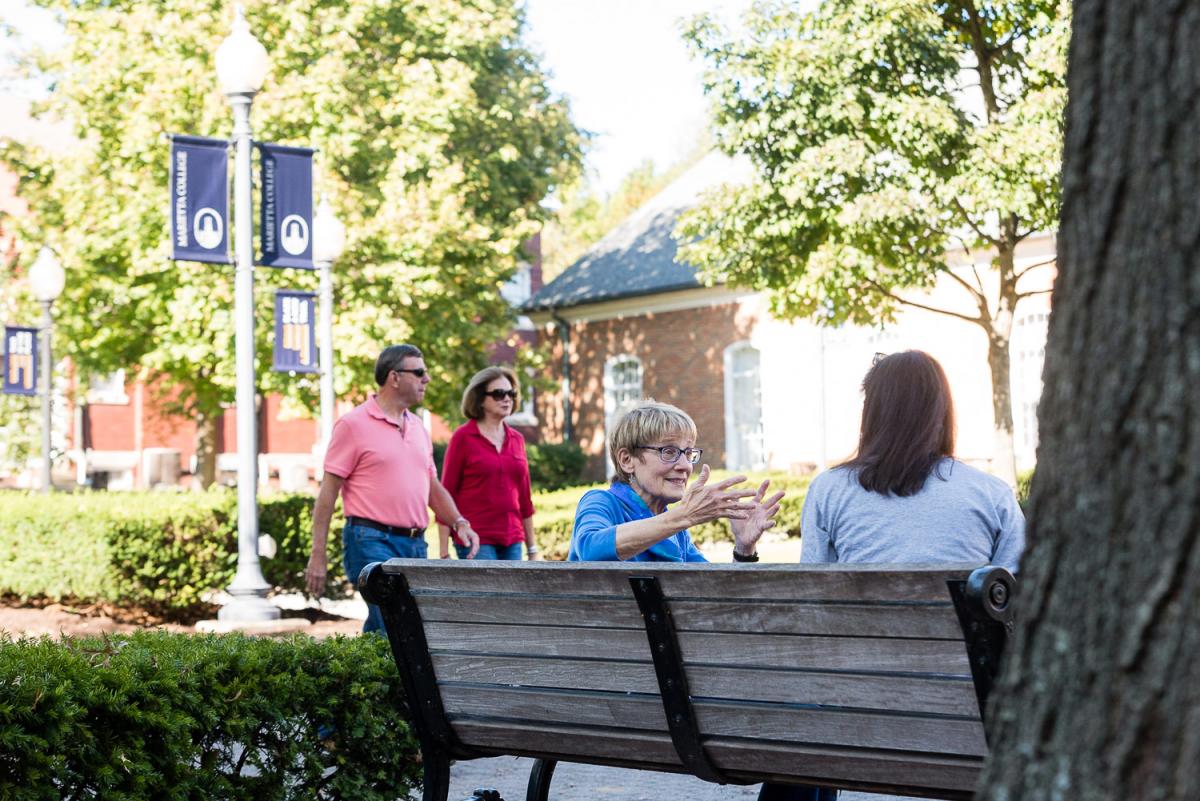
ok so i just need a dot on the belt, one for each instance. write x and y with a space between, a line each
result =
399 531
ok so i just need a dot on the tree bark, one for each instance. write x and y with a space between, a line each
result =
1100 697
206 448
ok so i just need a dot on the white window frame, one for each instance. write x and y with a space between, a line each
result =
733 457
612 406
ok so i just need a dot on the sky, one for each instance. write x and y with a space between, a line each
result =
622 64
630 79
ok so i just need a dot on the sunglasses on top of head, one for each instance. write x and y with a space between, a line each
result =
500 394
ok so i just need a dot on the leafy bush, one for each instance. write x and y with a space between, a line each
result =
556 512
554 465
167 716
1024 483
159 551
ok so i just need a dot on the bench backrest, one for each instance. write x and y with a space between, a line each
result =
845 677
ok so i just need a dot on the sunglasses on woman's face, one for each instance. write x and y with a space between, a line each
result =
500 394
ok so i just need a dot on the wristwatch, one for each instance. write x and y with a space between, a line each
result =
744 557
459 523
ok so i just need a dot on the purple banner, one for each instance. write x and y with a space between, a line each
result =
295 336
199 199
285 216
20 360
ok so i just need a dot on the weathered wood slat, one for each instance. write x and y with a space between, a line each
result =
887 693
903 583
954 777
631 748
747 650
873 620
878 771
767 723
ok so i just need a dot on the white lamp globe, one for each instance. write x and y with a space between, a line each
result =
329 235
242 61
46 277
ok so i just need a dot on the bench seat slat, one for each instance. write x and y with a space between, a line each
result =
852 769
934 696
767 723
859 654
876 620
849 768
628 747
891 583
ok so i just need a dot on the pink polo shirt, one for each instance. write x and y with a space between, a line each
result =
386 473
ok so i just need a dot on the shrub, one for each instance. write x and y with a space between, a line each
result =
168 716
556 512
159 551
1024 483
554 465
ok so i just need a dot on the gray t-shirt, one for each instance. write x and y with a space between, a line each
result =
961 515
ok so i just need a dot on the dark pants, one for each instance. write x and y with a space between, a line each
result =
795 792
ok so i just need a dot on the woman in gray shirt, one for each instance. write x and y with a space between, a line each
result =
904 498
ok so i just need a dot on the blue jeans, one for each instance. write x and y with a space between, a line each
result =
362 546
510 553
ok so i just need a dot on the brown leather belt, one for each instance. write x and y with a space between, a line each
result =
398 531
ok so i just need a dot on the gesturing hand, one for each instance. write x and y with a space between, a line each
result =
748 529
702 503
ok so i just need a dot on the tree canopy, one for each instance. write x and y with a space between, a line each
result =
437 138
883 134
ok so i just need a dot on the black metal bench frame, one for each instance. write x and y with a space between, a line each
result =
982 603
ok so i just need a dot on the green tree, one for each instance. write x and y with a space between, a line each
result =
437 139
884 133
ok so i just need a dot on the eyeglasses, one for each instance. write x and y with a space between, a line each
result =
500 394
419 372
670 454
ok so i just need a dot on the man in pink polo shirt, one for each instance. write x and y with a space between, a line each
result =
380 459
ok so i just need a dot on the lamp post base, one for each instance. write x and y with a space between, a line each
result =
248 608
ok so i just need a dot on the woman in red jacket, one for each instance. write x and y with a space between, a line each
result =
486 472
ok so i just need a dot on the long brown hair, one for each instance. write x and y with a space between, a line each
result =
907 424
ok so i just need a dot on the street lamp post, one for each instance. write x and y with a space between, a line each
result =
329 238
242 66
47 279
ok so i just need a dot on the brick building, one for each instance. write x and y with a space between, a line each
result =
629 321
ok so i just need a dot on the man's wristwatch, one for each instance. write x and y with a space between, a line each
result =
743 557
459 523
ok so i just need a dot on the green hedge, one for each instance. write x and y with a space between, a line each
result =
158 551
556 512
161 716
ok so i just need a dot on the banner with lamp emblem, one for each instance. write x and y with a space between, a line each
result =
295 335
20 360
199 199
286 211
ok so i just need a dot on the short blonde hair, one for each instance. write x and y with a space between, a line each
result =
472 400
647 423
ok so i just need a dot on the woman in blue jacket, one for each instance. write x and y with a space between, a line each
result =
646 512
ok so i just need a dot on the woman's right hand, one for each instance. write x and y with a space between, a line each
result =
702 503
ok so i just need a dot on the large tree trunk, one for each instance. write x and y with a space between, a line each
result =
1004 461
1100 697
206 448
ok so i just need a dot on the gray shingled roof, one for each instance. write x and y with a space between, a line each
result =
638 256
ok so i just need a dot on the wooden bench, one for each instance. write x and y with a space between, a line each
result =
857 677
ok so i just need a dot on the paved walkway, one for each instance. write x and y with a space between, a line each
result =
572 782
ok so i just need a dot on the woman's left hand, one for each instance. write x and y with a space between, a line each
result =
747 532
